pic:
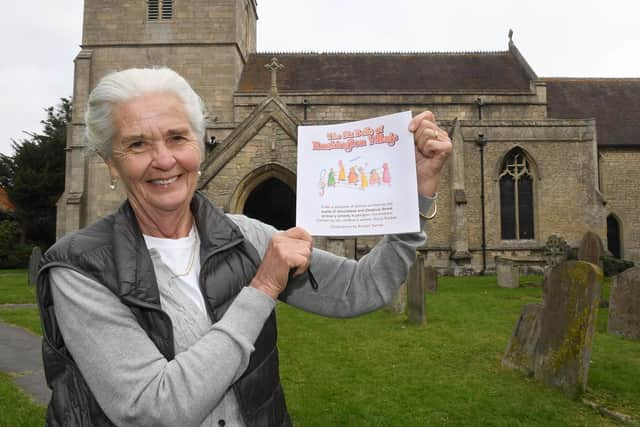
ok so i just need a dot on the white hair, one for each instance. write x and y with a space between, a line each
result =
121 86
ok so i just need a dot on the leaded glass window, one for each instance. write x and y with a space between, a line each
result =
516 197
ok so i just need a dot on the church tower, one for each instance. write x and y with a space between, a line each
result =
206 41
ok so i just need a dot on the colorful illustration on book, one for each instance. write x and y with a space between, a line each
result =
360 177
357 178
354 173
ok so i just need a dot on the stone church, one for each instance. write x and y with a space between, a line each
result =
533 156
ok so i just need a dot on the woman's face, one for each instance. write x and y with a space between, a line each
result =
155 153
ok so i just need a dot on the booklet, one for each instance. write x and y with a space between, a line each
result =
358 178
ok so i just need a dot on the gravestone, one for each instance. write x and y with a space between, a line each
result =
591 248
341 247
556 250
34 263
430 279
415 292
624 304
521 348
553 341
507 272
398 304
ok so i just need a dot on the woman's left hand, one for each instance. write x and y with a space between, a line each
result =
433 147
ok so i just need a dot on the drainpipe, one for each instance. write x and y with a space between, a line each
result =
479 103
481 141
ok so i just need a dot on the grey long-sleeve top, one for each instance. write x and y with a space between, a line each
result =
135 385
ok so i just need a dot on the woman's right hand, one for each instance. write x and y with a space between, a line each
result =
287 250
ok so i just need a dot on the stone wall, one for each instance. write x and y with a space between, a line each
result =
193 22
212 70
619 180
271 146
336 106
561 153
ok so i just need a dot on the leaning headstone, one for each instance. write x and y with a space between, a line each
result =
555 251
567 325
430 277
591 248
553 341
415 293
520 350
34 263
624 304
508 273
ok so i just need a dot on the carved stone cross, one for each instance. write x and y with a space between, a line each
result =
274 66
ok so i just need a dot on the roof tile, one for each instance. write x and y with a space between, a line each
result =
371 72
613 102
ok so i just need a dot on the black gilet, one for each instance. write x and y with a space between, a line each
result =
112 252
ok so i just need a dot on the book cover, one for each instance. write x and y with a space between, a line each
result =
357 178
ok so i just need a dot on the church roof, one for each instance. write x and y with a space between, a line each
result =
379 72
613 102
5 204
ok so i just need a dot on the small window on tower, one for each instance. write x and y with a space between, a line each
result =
153 9
159 9
167 9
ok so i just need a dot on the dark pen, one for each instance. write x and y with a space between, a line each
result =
312 279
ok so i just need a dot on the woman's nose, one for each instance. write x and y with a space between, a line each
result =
163 157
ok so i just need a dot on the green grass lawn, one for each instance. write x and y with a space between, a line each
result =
14 288
377 370
27 318
16 408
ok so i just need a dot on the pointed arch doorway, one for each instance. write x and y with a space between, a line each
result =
273 202
613 236
267 194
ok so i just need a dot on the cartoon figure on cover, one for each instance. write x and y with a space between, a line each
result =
357 178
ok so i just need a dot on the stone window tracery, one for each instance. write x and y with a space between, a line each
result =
516 197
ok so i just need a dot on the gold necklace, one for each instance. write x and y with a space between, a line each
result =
193 256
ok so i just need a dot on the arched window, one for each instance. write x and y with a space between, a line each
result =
613 236
516 197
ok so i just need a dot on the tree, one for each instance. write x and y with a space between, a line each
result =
34 175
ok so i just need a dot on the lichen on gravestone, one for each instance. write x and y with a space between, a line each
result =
563 352
553 341
520 350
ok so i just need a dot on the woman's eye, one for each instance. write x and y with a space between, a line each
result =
138 146
178 138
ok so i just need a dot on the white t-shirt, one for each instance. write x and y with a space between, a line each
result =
181 256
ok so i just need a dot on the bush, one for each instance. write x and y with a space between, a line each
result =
613 266
13 254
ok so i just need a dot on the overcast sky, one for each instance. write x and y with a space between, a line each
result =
559 38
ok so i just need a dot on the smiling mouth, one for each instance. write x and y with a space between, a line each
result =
165 181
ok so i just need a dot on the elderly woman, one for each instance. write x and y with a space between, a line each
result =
163 312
